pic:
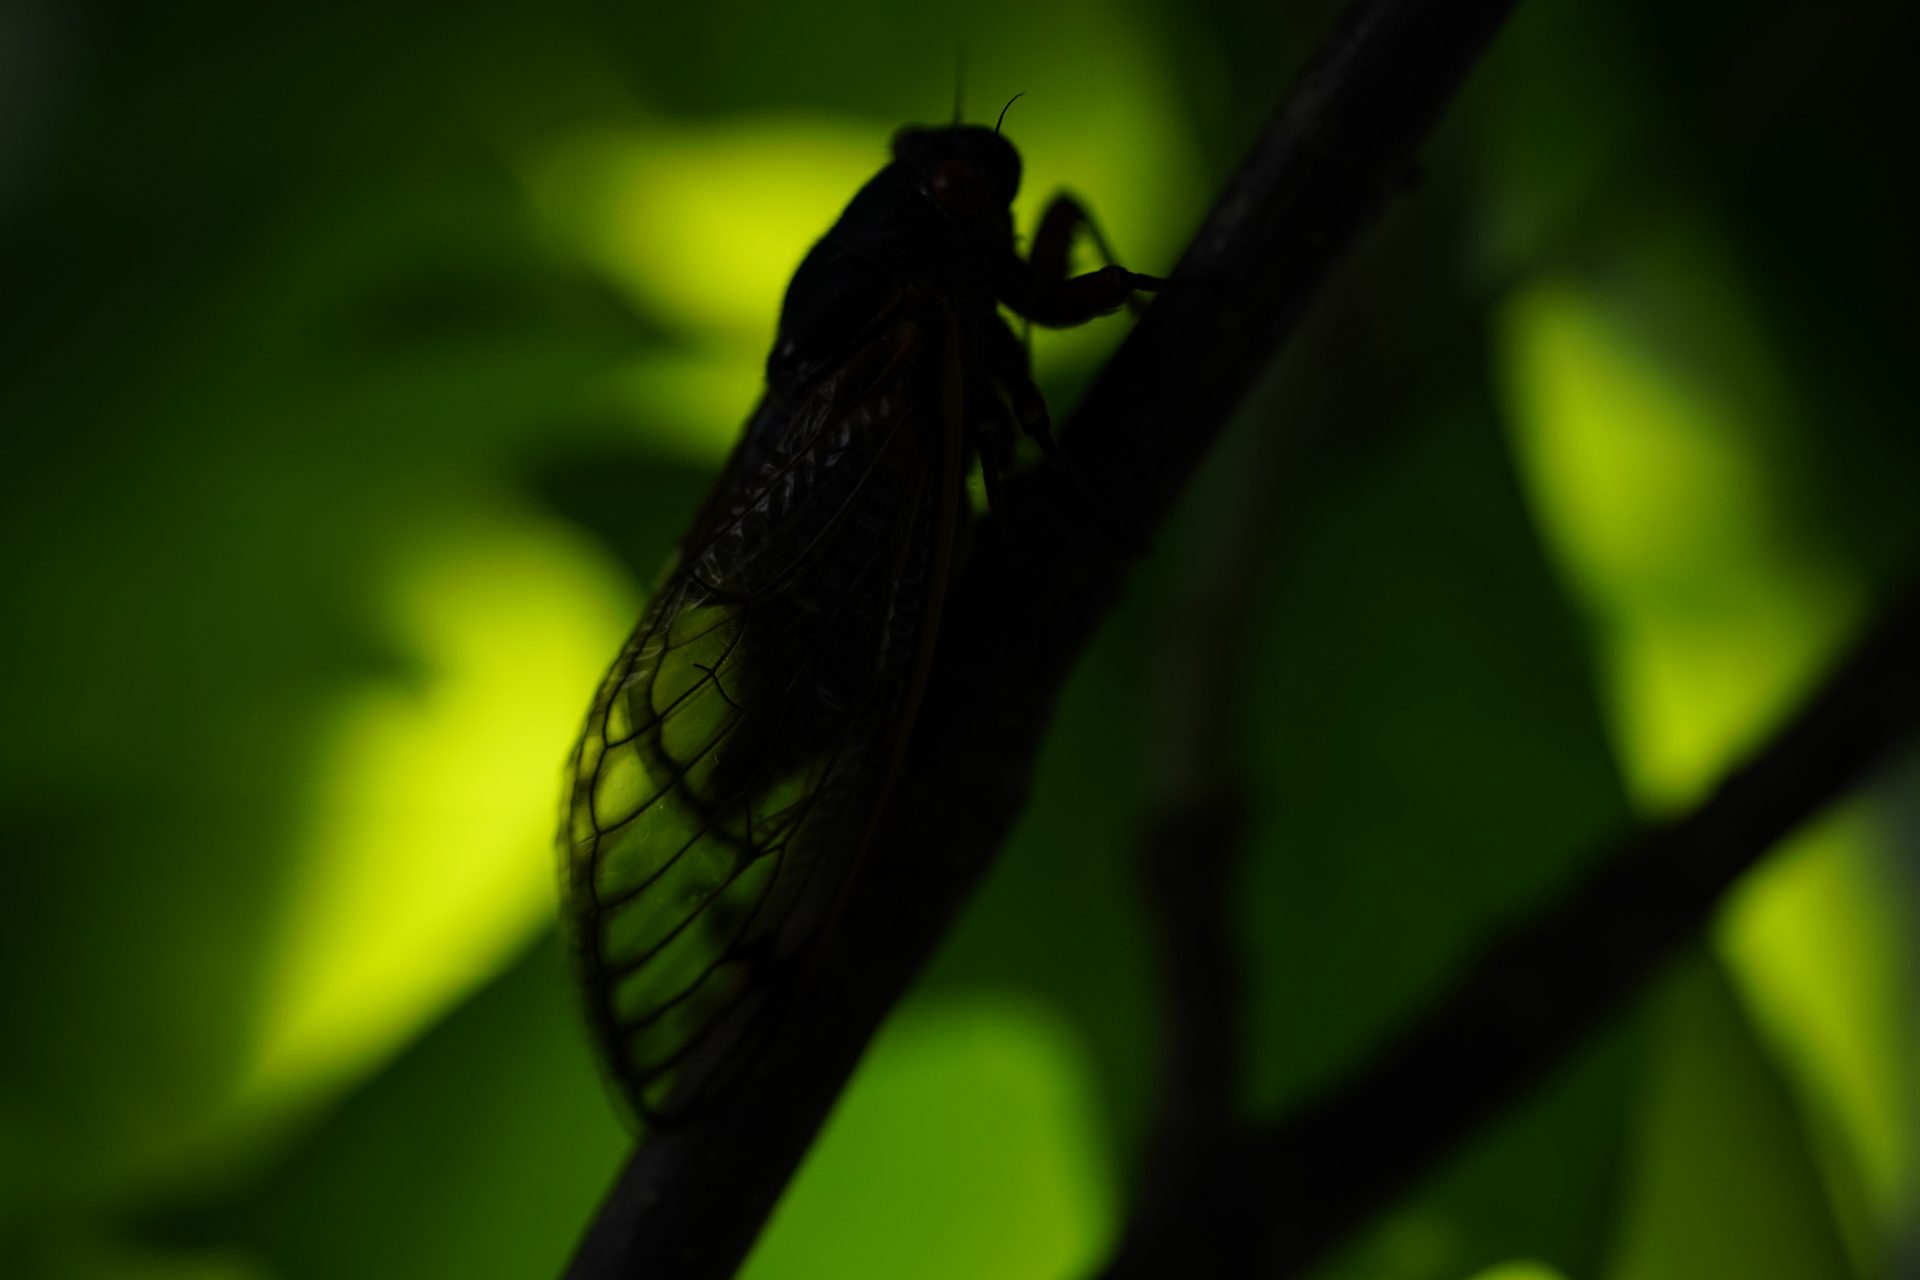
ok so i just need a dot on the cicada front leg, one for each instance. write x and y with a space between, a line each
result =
1059 300
1042 289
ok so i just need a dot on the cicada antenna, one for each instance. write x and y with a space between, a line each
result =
1003 111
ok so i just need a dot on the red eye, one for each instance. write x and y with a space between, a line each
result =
960 189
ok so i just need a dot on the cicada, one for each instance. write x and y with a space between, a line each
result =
737 758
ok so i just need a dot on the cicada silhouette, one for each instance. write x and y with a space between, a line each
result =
739 754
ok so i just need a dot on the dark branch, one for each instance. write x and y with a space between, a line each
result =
1531 1000
692 1200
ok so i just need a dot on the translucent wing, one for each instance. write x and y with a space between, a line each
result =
737 752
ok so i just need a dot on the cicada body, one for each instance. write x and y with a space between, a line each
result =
738 756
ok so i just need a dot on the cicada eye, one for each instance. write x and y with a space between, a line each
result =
960 189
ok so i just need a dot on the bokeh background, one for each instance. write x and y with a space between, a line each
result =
359 364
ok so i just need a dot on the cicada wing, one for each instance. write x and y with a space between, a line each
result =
736 752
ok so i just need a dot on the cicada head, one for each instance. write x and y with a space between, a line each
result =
969 171
941 208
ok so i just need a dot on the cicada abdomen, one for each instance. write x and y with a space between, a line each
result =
737 757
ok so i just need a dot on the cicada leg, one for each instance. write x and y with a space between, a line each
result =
1047 294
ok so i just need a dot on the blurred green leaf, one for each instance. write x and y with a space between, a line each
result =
1721 1183
1662 445
965 1147
474 1154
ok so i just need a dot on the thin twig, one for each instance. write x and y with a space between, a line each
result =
692 1199
1194 840
1191 1180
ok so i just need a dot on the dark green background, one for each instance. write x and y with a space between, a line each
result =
362 362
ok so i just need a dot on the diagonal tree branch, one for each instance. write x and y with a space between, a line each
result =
692 1199
1532 999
